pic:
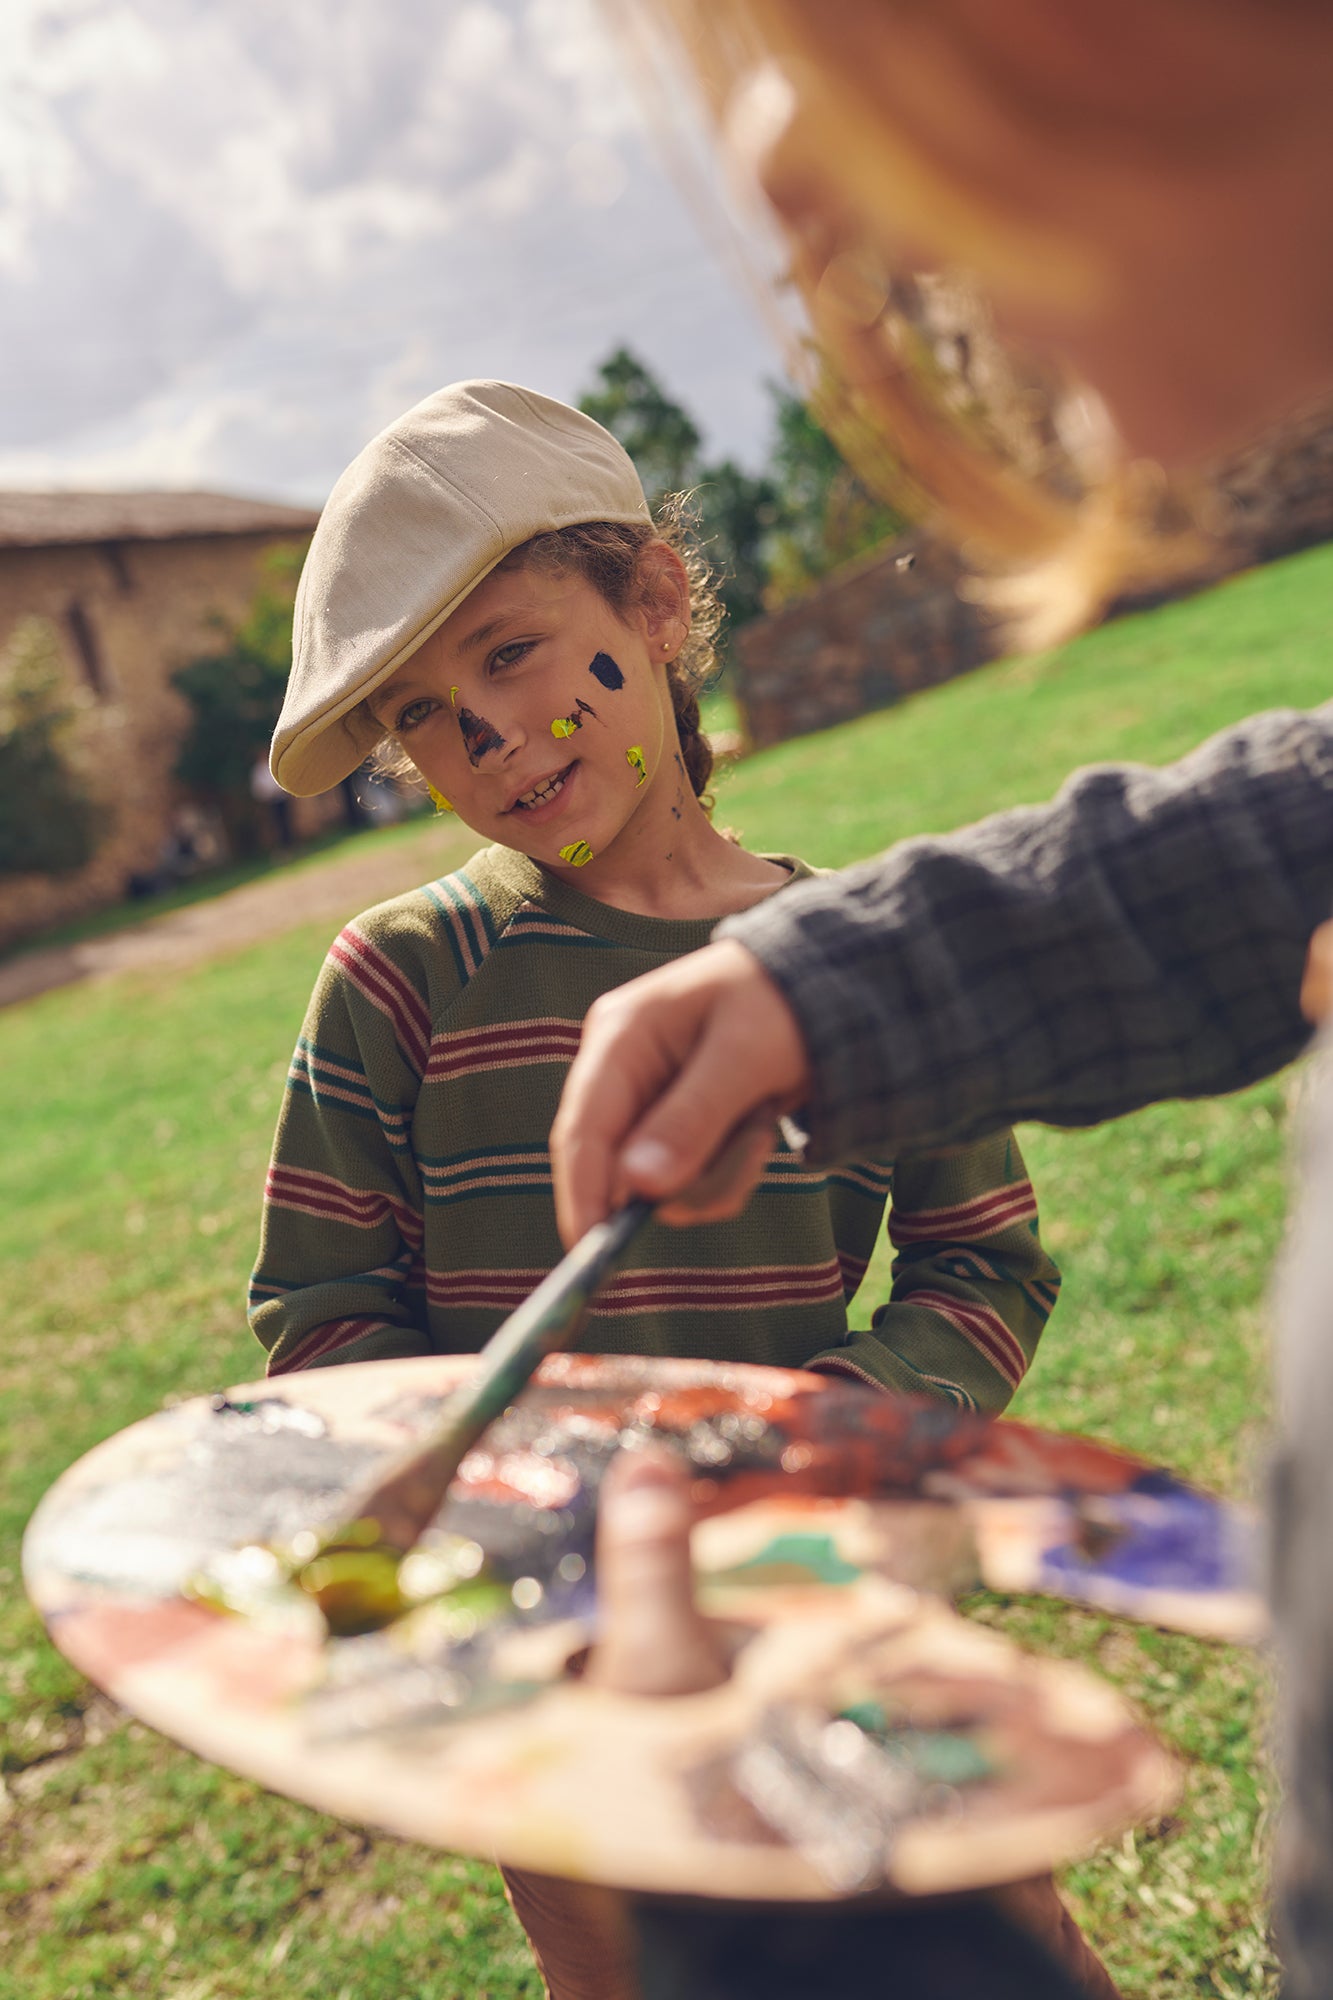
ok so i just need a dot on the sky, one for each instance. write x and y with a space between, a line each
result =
239 236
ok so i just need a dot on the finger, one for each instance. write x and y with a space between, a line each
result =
686 1135
653 1640
623 1061
1317 980
670 1065
730 1177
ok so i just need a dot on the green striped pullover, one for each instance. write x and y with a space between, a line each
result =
409 1207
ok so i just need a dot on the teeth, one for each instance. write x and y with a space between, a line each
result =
541 793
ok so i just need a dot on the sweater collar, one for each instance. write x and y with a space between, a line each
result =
669 935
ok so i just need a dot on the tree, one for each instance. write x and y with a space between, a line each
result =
236 695
48 822
825 516
659 436
731 508
768 535
736 511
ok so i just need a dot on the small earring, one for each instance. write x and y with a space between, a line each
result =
438 800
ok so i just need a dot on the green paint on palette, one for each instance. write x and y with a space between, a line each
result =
934 1756
578 854
802 1555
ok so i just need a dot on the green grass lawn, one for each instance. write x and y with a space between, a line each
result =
136 1119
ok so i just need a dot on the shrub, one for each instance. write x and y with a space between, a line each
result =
236 694
48 821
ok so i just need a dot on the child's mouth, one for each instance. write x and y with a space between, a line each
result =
544 794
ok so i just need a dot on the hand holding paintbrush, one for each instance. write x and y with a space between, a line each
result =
352 1573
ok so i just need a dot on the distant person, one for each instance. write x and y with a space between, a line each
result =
268 793
536 658
191 845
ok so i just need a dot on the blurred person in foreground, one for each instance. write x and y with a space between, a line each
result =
1145 189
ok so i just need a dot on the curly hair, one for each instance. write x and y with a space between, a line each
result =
609 555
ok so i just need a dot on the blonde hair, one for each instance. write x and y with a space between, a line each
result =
859 122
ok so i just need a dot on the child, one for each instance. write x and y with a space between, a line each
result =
487 592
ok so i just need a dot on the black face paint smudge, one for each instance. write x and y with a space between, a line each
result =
479 736
586 708
605 670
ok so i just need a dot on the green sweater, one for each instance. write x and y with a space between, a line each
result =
409 1207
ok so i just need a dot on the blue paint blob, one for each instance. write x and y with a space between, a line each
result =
605 670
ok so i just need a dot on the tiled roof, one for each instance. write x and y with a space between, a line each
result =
41 520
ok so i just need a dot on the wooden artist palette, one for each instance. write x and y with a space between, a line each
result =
867 1736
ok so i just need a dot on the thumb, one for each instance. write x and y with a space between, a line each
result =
652 1639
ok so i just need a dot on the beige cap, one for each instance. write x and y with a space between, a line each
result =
417 521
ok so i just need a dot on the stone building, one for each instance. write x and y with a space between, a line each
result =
132 583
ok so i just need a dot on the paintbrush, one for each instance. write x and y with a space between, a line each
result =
352 1574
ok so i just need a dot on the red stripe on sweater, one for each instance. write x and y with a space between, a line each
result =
985 1215
688 1289
379 979
985 1329
322 1196
325 1338
507 1046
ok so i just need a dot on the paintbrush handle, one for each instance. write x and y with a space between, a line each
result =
405 1501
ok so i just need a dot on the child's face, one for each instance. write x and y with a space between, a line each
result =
542 716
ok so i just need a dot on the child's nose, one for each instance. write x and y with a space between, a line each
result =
490 740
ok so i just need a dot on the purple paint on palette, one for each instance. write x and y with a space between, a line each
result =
479 735
605 670
1162 1536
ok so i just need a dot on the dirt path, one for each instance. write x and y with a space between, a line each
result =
318 891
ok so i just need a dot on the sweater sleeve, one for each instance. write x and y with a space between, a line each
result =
342 1218
1140 938
972 1286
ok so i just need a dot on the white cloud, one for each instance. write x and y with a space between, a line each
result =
239 237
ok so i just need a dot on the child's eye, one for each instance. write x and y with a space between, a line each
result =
509 655
413 714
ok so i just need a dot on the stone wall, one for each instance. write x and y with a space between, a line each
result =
878 629
128 614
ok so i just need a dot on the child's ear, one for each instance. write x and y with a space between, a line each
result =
664 599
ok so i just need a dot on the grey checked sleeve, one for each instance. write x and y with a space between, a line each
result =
1141 937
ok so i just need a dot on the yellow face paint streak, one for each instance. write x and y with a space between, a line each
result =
453 697
564 725
634 758
438 800
578 854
